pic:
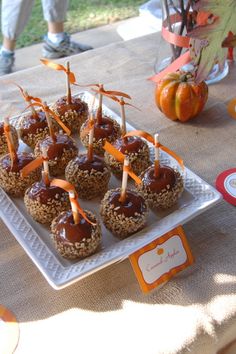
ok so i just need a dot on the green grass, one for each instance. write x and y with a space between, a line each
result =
82 15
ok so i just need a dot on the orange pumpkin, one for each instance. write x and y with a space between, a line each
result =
179 97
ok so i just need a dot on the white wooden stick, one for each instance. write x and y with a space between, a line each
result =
124 180
73 207
49 121
157 156
7 123
45 162
68 83
123 118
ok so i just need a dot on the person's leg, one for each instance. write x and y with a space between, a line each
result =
14 17
57 43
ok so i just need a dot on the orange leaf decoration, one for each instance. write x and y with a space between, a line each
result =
68 187
120 157
149 138
59 67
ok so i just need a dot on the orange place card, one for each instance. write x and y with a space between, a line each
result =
161 259
9 331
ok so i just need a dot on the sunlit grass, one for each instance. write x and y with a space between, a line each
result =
81 15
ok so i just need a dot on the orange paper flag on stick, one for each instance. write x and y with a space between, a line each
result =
120 157
68 187
150 138
31 166
59 67
178 63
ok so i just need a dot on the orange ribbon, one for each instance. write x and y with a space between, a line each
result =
111 94
32 166
59 67
120 157
149 138
178 63
26 97
232 108
68 187
55 116
173 38
11 148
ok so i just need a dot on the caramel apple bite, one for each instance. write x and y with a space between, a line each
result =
73 114
123 218
161 191
10 176
76 233
60 150
34 128
75 240
88 172
134 147
90 177
33 125
3 140
44 202
105 128
11 165
124 211
72 110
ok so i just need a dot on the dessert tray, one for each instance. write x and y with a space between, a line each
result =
35 239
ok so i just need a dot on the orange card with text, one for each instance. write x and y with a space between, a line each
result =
161 259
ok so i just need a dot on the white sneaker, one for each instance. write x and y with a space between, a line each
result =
6 63
62 49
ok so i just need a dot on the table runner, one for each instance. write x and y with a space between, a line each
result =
106 312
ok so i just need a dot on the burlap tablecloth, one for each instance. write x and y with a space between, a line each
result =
106 312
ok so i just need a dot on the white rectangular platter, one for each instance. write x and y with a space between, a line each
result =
35 238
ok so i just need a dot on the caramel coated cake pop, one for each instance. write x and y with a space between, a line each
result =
72 110
60 150
33 125
3 140
105 129
76 233
75 240
124 211
88 172
73 114
134 147
10 176
44 202
161 191
90 177
33 128
123 218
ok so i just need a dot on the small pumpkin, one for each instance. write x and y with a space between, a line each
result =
179 97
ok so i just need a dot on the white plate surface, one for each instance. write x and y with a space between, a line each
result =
198 196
